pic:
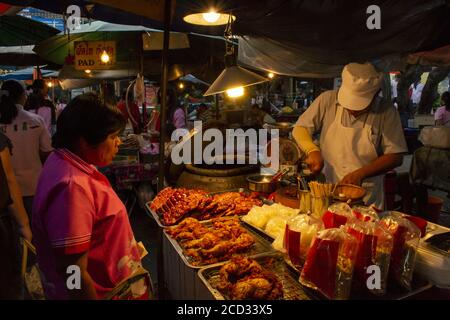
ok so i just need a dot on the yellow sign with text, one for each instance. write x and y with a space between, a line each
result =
94 55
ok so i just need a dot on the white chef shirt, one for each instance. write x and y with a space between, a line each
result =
387 131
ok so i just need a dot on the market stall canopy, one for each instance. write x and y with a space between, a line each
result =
18 56
193 79
147 8
130 40
326 33
7 9
70 84
331 25
27 74
125 70
437 57
20 31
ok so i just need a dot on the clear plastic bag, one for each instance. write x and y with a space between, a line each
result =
298 235
374 249
337 215
365 214
406 237
329 263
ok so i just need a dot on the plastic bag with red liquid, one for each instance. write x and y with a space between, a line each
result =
337 215
299 233
374 249
329 263
365 214
406 236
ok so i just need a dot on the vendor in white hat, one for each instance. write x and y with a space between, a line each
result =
361 136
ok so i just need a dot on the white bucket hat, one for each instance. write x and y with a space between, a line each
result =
360 82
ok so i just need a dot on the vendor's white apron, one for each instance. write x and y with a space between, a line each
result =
345 150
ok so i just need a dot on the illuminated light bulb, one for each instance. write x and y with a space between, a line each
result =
211 16
271 75
181 86
235 92
49 84
87 71
104 57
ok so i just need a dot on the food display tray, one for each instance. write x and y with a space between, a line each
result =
154 215
261 245
157 218
292 289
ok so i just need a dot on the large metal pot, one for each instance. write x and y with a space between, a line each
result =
285 128
261 183
215 178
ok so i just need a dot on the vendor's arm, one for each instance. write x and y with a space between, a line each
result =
381 165
392 146
314 158
87 289
308 123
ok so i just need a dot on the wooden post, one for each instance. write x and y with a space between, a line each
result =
164 81
162 136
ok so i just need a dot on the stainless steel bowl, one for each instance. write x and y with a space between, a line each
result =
261 183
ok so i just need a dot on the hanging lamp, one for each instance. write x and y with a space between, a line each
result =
233 78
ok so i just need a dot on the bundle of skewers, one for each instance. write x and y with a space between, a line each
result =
321 194
321 189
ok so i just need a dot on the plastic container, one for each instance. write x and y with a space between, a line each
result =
433 208
434 266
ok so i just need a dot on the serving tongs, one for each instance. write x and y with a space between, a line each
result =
301 182
279 175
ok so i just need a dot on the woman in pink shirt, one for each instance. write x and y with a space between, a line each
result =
442 114
38 103
79 223
176 117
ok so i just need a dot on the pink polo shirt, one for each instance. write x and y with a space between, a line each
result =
76 210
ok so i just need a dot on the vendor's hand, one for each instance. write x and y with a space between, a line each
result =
354 177
25 232
314 162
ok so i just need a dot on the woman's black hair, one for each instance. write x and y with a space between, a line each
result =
38 84
445 98
8 99
88 118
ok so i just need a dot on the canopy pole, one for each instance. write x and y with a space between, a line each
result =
162 137
164 82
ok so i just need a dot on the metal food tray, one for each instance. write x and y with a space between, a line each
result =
154 215
260 246
292 289
157 218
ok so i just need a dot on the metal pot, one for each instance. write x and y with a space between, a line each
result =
261 183
215 178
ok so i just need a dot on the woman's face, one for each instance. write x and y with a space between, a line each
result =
104 153
23 98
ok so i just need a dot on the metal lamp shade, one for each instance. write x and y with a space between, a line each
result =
233 77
